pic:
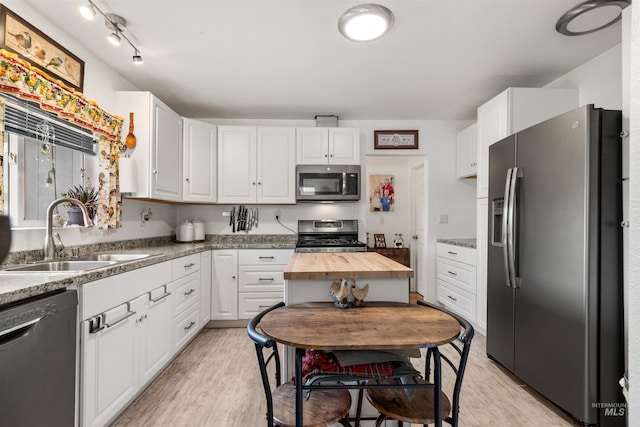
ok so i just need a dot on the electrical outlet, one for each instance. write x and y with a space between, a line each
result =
277 214
226 213
443 219
381 220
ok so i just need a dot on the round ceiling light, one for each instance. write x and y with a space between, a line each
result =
365 22
591 16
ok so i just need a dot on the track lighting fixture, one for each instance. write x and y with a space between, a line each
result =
116 24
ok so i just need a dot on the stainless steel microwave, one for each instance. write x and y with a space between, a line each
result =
328 183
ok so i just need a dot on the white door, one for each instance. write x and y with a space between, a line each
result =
236 164
224 286
276 165
419 237
200 166
166 161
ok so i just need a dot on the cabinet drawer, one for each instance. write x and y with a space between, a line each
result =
457 253
186 326
261 279
252 303
457 273
264 256
457 300
185 265
184 292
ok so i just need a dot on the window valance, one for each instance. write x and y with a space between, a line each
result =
19 78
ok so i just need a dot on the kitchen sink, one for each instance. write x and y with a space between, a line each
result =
111 257
61 266
77 264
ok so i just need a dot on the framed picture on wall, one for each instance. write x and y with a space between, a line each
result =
395 139
382 197
378 240
32 45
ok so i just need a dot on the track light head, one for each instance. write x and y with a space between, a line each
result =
137 59
87 11
114 38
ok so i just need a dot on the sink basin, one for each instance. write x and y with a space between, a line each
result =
79 264
111 257
62 266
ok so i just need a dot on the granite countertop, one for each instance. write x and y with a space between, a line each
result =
465 243
15 286
356 265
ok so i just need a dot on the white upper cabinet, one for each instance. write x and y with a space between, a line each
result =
200 168
158 151
256 164
467 143
511 111
320 145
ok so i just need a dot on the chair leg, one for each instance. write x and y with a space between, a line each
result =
345 422
359 408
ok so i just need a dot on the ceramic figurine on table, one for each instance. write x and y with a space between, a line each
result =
358 294
340 291
398 241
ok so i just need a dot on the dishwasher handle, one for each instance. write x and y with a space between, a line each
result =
24 328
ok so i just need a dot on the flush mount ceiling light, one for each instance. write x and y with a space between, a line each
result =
591 16
365 22
115 23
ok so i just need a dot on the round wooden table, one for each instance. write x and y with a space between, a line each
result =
376 326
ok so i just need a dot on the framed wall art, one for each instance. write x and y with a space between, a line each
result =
395 139
35 47
378 240
382 197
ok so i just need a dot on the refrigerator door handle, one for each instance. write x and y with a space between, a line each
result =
511 232
505 226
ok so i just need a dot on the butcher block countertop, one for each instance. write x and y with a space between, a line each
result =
348 265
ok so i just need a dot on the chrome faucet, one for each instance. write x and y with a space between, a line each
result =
49 244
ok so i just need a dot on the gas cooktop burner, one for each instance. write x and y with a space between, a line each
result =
329 236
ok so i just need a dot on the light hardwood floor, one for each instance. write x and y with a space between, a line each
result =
215 382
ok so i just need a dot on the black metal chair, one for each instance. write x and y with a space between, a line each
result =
417 406
322 407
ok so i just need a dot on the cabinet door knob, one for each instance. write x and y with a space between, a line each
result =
186 179
155 172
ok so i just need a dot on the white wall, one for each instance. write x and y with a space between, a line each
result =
599 80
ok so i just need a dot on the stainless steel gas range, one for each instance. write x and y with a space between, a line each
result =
329 235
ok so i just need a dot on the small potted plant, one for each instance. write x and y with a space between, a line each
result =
86 194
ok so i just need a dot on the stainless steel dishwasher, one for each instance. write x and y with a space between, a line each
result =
38 361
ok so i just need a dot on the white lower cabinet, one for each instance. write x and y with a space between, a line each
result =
224 284
246 281
132 325
456 279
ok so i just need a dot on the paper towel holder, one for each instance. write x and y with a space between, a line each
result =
127 175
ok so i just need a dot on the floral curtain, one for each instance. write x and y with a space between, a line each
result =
109 206
20 79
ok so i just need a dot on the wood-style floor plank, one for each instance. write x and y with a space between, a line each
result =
216 382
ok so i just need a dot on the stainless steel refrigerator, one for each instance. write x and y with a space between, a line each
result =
554 279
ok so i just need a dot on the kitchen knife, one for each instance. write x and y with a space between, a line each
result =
233 219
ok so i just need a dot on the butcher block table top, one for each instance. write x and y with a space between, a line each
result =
348 265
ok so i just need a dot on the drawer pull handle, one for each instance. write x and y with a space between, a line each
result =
452 298
266 257
188 266
186 328
452 273
264 306
268 279
452 253
160 298
189 292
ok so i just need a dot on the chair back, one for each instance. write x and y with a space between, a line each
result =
462 346
267 352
